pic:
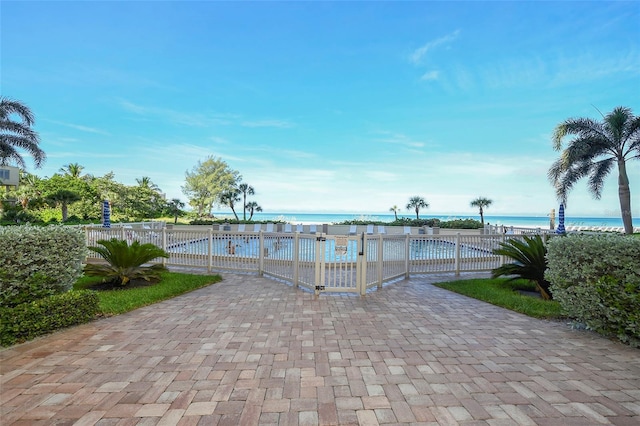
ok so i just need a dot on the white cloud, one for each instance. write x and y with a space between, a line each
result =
419 53
430 75
80 127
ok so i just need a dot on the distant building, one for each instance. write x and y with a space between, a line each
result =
9 176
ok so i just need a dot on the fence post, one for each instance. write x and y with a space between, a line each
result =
361 265
260 253
457 258
380 260
163 241
296 259
407 253
210 251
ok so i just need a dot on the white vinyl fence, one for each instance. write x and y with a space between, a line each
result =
318 262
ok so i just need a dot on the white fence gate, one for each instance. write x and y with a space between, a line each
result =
318 262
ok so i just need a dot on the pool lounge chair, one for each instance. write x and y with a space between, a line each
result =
312 229
299 228
269 227
241 227
369 229
381 229
353 229
287 228
257 227
407 230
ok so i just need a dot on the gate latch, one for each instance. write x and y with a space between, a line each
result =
320 287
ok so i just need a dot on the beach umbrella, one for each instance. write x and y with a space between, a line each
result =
106 214
560 229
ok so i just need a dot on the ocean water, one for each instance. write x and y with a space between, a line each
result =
521 221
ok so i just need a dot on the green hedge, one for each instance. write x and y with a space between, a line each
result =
39 261
596 279
33 319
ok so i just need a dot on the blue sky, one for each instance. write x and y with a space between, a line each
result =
327 106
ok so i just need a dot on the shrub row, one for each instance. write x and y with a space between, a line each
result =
596 279
37 262
33 319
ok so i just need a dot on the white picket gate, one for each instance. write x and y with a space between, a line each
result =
318 262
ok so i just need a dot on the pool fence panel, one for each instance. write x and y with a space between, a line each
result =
317 262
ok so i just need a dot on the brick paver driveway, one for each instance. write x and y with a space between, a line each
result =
253 351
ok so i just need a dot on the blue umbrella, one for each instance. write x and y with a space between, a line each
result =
106 214
560 229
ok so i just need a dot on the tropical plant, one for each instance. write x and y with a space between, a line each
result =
125 262
62 198
253 207
395 209
205 184
175 208
145 182
416 203
15 135
595 150
481 203
530 262
230 198
246 189
72 169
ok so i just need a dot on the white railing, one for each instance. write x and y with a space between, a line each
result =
318 262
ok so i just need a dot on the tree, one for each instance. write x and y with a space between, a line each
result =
207 181
598 146
395 209
63 198
416 203
15 135
175 208
230 198
253 207
72 169
145 182
481 203
246 189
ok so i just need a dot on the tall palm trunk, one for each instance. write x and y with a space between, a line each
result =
625 197
482 217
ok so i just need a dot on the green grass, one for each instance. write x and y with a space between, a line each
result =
114 302
502 293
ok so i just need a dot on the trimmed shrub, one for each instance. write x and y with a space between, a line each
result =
596 279
39 261
33 319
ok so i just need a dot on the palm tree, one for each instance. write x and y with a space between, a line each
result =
416 203
395 209
145 182
246 189
16 135
597 147
175 208
253 207
72 169
63 198
481 203
230 198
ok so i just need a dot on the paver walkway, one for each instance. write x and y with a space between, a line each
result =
253 351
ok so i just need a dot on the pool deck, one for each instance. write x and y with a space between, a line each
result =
251 351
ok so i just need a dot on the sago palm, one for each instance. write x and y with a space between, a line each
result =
125 262
530 262
596 149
